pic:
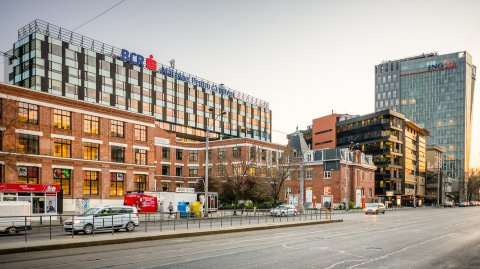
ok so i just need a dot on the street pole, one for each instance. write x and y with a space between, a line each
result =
439 183
206 172
207 137
301 187
415 187
347 152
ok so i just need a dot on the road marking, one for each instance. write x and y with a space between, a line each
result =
338 263
400 250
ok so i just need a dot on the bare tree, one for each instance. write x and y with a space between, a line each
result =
281 172
473 184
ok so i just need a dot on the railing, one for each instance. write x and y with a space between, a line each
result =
29 228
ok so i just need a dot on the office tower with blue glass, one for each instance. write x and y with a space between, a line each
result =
436 92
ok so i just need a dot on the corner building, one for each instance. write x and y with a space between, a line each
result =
399 152
54 60
435 91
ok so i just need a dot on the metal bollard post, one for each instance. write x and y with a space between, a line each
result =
50 227
199 221
161 222
211 219
73 221
146 222
187 222
241 219
174 223
231 220
221 221
248 218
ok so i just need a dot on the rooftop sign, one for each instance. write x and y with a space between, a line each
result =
151 64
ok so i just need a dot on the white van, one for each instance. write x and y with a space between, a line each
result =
103 218
15 216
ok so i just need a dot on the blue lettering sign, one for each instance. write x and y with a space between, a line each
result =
135 59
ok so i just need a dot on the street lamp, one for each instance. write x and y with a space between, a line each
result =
206 158
347 158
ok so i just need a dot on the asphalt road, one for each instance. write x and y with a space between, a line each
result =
419 238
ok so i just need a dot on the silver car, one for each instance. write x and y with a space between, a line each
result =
283 210
103 218
375 208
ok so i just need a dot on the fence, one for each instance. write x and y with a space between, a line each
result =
50 227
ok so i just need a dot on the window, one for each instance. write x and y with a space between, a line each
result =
309 157
90 182
327 174
27 113
222 153
165 186
178 170
222 170
288 191
62 119
116 184
253 152
264 154
91 124
299 174
178 184
370 193
62 148
179 154
140 183
117 128
141 156
308 174
288 175
327 190
62 177
193 171
166 153
165 169
236 152
91 151
118 154
193 155
28 175
27 144
140 132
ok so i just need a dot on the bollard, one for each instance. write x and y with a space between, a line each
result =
187 222
199 220
112 224
174 223
73 221
241 219
146 222
211 219
231 220
50 227
221 221
161 221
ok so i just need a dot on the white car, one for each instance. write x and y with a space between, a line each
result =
283 210
375 208
103 218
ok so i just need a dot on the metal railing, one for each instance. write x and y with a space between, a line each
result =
50 227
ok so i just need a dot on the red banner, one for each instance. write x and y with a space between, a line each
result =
29 188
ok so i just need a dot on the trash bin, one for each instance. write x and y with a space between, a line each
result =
183 208
196 208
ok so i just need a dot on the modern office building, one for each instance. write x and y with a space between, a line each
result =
436 92
324 130
54 60
398 149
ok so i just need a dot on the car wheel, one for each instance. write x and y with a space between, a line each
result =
116 230
366 213
383 212
75 232
88 229
130 227
12 230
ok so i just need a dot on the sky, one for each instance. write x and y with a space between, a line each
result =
307 58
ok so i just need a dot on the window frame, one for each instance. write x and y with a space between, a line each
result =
89 179
89 123
65 146
62 119
117 129
140 132
31 113
115 155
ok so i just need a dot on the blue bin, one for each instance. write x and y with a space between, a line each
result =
183 208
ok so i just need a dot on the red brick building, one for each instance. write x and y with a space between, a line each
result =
98 153
324 130
325 171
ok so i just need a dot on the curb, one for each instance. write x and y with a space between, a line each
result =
159 237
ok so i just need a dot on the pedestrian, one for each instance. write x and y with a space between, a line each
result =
170 210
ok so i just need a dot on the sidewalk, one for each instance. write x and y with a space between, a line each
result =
124 237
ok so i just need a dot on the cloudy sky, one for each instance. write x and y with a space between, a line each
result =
306 58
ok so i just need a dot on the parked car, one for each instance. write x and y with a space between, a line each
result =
283 210
375 208
15 217
474 203
464 204
103 218
448 204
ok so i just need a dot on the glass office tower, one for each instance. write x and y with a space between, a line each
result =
55 60
436 92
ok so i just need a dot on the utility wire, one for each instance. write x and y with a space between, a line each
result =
98 15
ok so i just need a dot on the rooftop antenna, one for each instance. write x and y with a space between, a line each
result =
172 63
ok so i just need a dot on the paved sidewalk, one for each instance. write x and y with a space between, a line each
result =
119 238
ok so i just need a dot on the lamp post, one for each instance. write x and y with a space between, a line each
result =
207 199
347 158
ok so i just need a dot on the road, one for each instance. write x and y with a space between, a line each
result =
418 238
